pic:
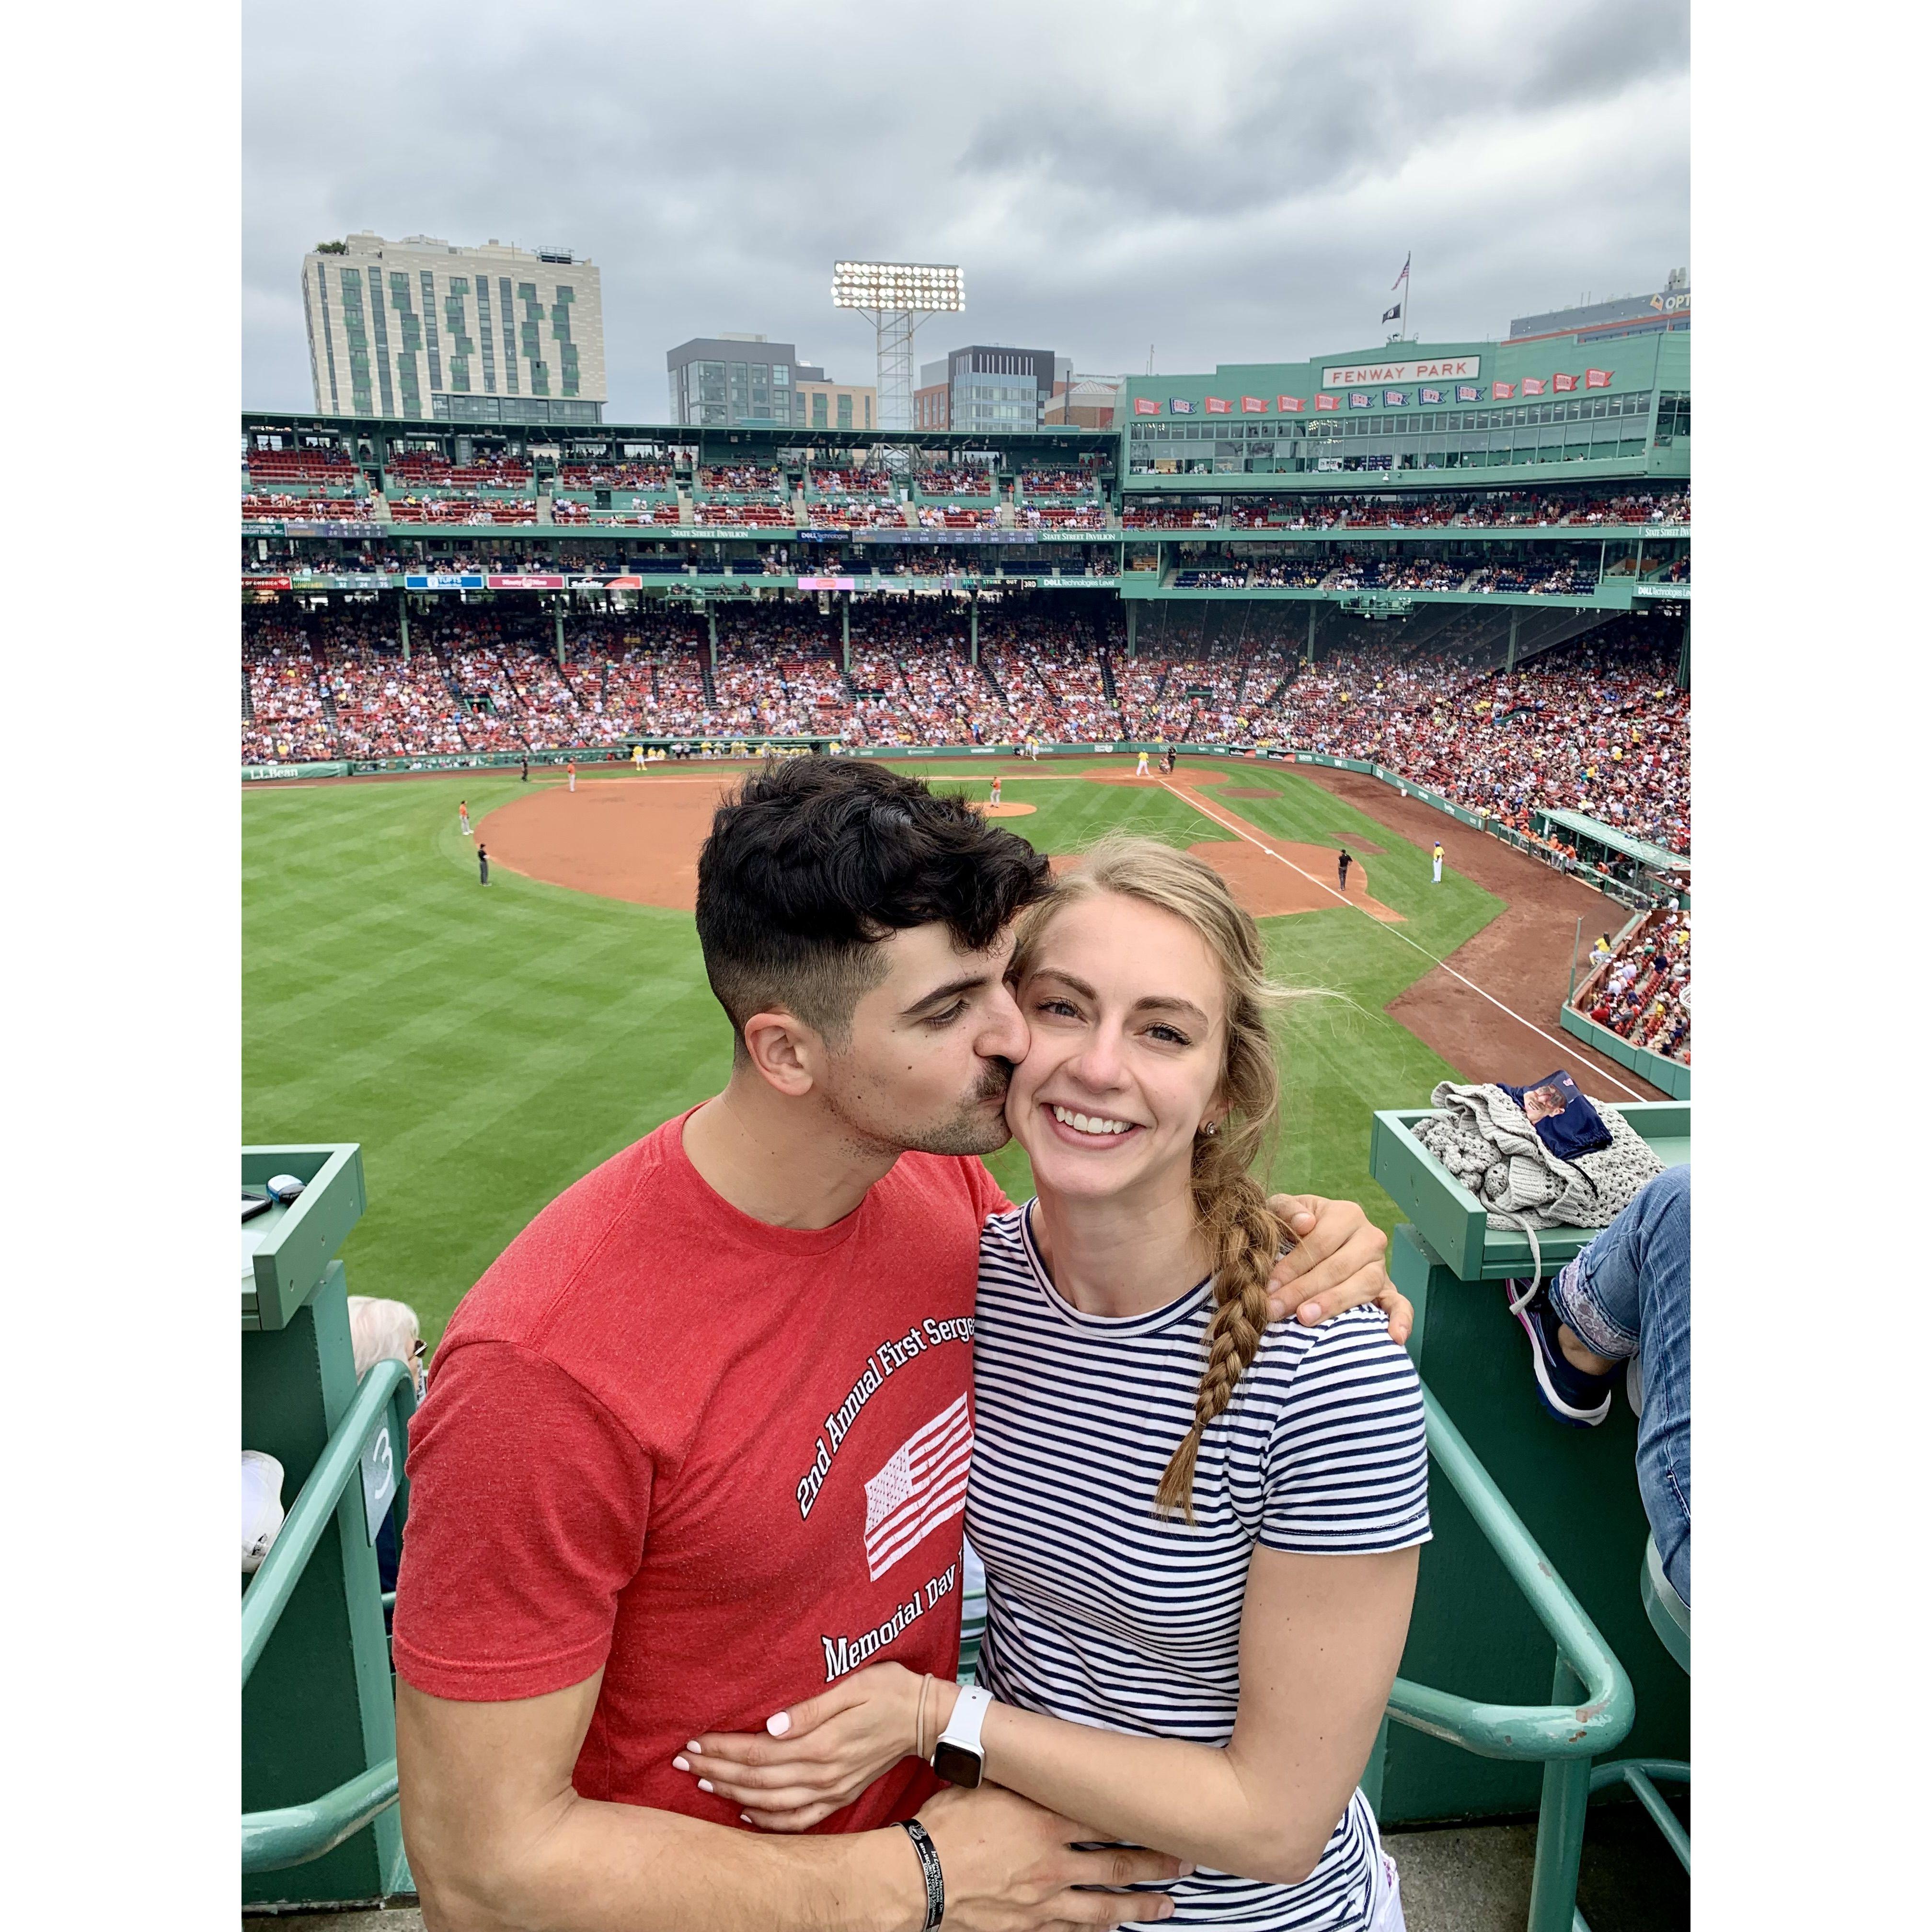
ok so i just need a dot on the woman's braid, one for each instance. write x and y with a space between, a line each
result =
1244 1237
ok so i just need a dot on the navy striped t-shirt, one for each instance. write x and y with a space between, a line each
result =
1100 1612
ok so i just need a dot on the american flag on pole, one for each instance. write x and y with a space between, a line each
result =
922 1483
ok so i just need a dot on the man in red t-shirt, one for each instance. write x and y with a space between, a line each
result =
698 1440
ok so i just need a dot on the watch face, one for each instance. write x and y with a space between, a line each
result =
958 1765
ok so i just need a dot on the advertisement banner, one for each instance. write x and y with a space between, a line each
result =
1327 402
1291 406
325 768
1180 406
332 529
1254 405
1560 383
623 583
443 580
1596 379
1219 405
828 584
1448 369
525 583
1146 405
268 583
1532 385
1502 392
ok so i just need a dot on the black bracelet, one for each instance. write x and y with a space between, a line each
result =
928 1865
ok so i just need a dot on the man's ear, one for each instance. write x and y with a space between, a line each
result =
784 1050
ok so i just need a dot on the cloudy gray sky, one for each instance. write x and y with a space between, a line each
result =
1226 182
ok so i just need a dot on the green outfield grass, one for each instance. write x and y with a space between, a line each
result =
487 1047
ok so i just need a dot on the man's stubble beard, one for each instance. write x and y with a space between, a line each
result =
980 1126
977 1127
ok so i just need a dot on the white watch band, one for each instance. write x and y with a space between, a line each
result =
969 1716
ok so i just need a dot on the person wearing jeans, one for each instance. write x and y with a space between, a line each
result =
1623 1306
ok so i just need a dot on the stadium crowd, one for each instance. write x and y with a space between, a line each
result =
1597 727
1642 991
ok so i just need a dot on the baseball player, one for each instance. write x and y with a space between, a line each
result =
462 815
573 774
1343 860
1436 859
994 798
1140 765
482 863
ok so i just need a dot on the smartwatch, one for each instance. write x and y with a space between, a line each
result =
959 1757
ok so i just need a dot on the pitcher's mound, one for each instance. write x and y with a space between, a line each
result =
1012 808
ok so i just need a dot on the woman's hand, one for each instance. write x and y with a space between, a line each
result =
815 1758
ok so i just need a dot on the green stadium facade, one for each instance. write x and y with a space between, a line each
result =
1547 482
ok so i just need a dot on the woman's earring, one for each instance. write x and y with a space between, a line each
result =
1207 1126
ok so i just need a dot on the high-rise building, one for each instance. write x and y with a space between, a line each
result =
992 387
932 400
721 381
422 331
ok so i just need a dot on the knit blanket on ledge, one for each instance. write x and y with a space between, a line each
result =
1486 1142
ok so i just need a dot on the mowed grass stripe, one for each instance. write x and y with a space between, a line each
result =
488 1046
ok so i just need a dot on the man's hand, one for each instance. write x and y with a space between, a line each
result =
1336 1264
1010 1866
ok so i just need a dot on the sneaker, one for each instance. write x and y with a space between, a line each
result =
1579 1400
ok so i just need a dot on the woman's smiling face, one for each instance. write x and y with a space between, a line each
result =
1125 1008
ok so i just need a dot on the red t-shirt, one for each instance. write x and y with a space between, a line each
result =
724 1461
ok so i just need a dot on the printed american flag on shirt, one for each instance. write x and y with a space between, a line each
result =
923 1483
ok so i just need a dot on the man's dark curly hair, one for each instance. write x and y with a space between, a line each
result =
812 862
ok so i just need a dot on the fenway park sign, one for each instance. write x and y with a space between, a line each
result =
1362 375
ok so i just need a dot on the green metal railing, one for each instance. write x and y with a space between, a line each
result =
1569 1730
295 1834
1592 1706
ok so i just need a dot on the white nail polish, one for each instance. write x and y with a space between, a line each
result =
778 1725
696 1749
678 1764
704 1784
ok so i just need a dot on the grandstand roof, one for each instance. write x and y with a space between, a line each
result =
1655 856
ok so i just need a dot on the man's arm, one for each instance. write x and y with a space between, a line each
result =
500 1841
1337 1264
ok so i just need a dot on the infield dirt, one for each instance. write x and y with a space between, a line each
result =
1521 957
638 839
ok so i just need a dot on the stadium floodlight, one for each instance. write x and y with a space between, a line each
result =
897 296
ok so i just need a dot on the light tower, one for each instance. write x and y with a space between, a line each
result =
897 297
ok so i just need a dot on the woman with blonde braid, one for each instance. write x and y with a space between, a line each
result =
1200 1531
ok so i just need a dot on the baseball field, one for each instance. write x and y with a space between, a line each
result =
488 1045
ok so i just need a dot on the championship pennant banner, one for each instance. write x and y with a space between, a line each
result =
1345 377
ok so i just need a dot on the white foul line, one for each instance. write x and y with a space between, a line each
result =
1228 825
